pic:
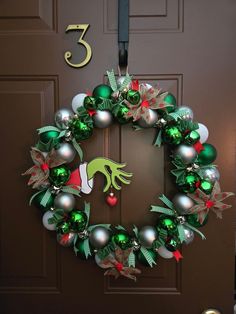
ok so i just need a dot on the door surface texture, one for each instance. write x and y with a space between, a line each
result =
186 47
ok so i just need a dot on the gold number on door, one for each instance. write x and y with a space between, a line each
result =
81 41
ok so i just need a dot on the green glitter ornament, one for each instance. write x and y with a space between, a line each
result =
103 91
59 175
206 186
81 130
45 137
120 115
133 97
90 103
167 223
63 227
141 258
171 100
38 198
192 138
172 135
191 182
193 220
122 239
172 244
78 220
207 155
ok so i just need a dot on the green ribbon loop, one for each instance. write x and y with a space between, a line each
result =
166 201
71 190
181 233
131 259
45 198
126 81
87 250
47 129
158 140
112 80
162 210
135 230
195 230
87 211
78 148
147 256
33 196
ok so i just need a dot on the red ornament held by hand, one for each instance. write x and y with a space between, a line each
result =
111 199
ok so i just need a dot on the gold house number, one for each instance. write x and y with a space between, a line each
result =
81 41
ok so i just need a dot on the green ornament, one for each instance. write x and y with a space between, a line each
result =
192 138
172 244
90 103
38 198
207 155
63 227
80 249
78 220
120 116
81 130
122 239
45 137
193 220
171 100
133 97
103 91
142 259
59 175
191 182
206 186
172 135
167 223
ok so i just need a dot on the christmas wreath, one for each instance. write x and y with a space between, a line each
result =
124 100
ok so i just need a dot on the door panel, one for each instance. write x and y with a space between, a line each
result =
186 48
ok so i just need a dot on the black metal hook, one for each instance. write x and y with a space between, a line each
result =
123 32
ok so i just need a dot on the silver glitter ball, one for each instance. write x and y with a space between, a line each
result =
63 117
99 237
163 252
120 81
210 174
66 151
182 203
187 153
185 112
189 235
65 201
47 225
66 239
102 119
152 121
147 235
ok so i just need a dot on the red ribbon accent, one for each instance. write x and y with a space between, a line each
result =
177 255
198 183
135 85
89 93
44 167
91 112
65 238
209 204
145 104
119 266
198 147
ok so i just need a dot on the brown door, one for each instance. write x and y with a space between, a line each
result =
186 47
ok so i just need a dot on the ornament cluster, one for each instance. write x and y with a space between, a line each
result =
113 248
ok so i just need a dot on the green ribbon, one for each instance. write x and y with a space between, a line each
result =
147 256
126 81
45 198
47 129
71 190
87 211
112 80
78 148
131 259
158 140
162 210
87 250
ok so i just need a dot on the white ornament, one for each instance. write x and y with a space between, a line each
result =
163 252
78 101
203 132
46 216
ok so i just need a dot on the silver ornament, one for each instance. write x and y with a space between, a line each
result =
78 101
66 151
99 237
185 113
153 119
63 117
189 235
187 153
182 203
147 235
102 119
46 216
65 201
163 252
210 174
66 239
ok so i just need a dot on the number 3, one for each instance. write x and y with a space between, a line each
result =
68 54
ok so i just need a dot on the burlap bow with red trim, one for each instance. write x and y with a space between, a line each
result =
151 98
206 202
39 173
117 264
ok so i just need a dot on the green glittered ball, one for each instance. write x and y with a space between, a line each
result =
172 244
171 100
167 223
207 155
103 91
78 220
59 175
142 259
63 227
193 220
191 181
90 103
122 239
81 130
120 115
192 138
172 135
45 137
38 198
133 97
206 186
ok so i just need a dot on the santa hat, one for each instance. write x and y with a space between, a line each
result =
79 178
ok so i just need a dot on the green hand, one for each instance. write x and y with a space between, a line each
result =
111 171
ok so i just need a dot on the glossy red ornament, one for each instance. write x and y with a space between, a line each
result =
111 199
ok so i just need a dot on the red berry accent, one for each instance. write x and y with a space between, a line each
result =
209 204
111 200
145 104
91 112
44 167
197 184
135 85
119 266
198 147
